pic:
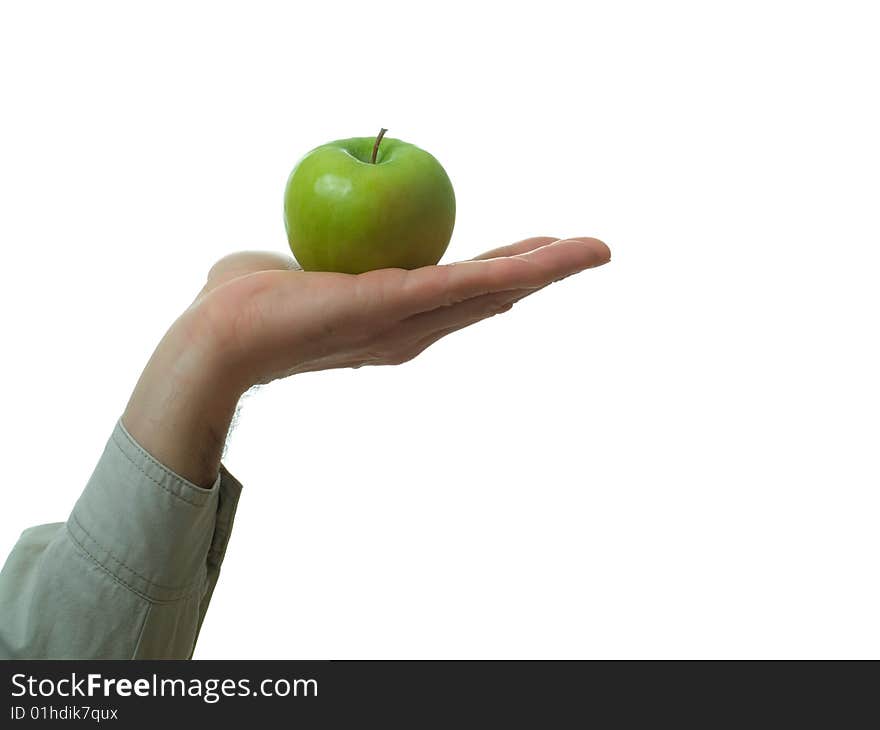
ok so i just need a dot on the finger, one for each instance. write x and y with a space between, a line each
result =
514 249
247 262
424 342
459 315
242 263
431 287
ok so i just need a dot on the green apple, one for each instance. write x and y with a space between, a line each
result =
368 203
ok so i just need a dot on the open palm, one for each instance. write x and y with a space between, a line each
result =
275 320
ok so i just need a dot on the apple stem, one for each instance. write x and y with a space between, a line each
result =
376 145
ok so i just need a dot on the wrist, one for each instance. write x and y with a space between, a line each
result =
183 404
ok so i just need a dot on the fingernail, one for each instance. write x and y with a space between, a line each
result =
600 247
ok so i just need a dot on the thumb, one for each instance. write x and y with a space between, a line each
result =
242 263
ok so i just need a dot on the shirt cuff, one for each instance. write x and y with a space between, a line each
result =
152 530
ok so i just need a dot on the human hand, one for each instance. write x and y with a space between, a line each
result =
272 320
259 318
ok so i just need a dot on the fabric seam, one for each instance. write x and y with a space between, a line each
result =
154 480
185 588
147 456
82 549
140 638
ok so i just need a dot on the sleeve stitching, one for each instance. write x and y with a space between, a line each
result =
87 555
140 638
79 524
147 456
155 481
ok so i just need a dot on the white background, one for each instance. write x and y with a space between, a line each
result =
672 456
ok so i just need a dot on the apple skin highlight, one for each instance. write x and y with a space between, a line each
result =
345 213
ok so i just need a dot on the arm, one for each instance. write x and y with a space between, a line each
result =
130 574
259 318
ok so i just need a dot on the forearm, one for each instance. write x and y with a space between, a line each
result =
129 575
258 319
183 404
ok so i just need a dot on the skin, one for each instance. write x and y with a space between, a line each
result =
259 318
344 213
